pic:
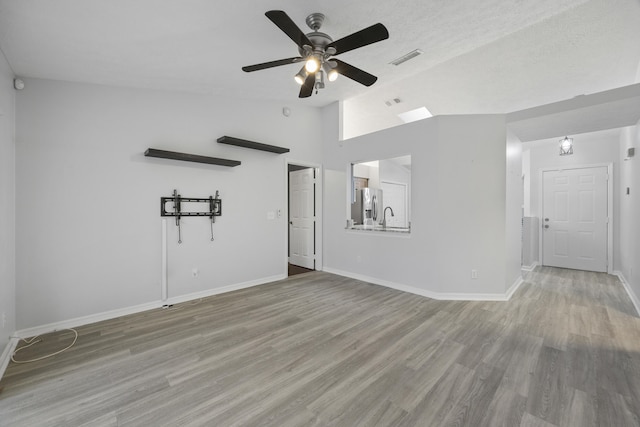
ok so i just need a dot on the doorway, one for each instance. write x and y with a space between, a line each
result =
575 223
303 224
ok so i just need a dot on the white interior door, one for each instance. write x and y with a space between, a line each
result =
301 218
575 218
395 196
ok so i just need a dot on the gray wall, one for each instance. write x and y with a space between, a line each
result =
459 196
513 205
89 226
7 199
629 260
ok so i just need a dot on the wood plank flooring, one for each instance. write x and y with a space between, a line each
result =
323 350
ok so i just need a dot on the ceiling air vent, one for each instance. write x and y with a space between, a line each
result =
405 58
393 101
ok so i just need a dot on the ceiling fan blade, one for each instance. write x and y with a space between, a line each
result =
307 87
271 64
369 35
354 73
285 23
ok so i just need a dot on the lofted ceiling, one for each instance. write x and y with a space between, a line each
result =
494 56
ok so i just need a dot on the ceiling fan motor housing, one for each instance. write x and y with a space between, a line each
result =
319 40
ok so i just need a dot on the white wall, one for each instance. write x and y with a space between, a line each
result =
629 260
7 199
359 121
513 204
458 207
88 217
588 149
526 178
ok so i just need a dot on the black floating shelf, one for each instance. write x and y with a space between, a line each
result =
250 144
152 152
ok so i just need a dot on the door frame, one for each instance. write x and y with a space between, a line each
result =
610 215
318 210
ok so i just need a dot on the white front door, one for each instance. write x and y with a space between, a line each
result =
575 218
301 218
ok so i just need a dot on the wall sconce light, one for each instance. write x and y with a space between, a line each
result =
566 146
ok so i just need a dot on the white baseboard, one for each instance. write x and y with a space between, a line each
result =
514 287
627 287
85 320
6 354
529 267
427 293
112 314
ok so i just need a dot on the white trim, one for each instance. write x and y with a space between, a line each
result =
610 215
529 267
426 293
632 296
514 287
164 288
112 314
318 209
6 354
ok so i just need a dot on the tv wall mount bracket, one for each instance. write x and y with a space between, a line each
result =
214 209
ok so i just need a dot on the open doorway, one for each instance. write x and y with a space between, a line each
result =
303 230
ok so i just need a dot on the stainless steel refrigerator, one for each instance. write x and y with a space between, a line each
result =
367 209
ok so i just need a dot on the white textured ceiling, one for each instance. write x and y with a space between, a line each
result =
479 57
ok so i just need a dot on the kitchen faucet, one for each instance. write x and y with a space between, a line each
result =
384 216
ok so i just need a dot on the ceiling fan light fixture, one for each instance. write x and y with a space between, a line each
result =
312 64
332 74
301 76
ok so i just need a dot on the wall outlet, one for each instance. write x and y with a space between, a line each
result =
474 274
195 272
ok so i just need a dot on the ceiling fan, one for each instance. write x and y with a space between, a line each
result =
317 50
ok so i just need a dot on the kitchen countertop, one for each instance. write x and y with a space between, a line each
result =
379 229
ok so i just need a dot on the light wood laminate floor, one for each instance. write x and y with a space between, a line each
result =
324 350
